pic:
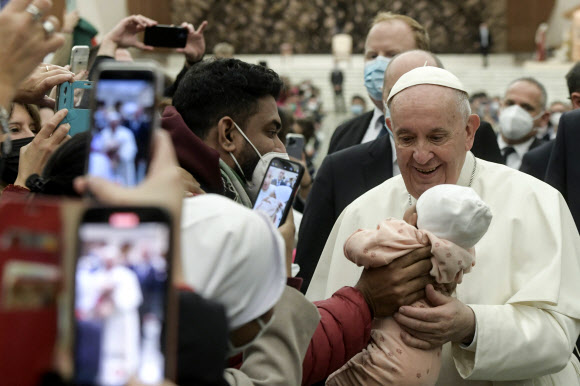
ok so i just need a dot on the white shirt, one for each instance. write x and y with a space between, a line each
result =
514 160
523 289
375 126
372 133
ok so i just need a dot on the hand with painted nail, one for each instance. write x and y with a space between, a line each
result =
33 157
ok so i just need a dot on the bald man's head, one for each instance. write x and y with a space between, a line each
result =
405 62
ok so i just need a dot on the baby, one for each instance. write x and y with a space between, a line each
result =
450 218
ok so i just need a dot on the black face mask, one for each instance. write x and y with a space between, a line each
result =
9 162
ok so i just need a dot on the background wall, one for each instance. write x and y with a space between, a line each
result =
261 26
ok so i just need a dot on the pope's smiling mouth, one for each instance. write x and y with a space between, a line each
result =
427 171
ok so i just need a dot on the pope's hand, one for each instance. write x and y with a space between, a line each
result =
449 320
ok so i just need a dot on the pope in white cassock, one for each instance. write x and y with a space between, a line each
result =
120 299
514 319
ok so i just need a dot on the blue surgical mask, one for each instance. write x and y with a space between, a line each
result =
375 75
356 109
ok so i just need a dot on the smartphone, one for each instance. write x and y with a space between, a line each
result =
165 36
70 96
123 310
79 59
295 145
124 115
278 189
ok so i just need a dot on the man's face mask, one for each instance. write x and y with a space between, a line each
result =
515 122
253 183
10 161
233 350
356 109
374 76
555 119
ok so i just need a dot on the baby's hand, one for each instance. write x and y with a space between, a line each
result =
410 216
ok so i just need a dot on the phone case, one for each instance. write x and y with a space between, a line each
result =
138 286
78 118
278 189
30 271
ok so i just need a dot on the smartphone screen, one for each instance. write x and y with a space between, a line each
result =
278 189
122 279
123 118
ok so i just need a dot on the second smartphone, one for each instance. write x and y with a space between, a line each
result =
122 304
124 115
278 189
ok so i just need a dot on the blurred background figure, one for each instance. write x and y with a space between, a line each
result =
540 40
484 42
556 109
223 50
336 79
358 105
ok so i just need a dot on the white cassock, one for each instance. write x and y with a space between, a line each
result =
121 332
124 139
524 290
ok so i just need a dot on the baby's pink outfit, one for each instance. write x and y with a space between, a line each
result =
387 360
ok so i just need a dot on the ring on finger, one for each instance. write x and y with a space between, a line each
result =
34 11
48 29
47 69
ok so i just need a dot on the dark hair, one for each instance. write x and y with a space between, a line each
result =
477 95
307 126
287 120
573 79
65 164
223 87
32 110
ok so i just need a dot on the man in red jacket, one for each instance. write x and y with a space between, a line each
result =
345 324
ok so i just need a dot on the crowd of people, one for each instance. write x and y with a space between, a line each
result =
426 249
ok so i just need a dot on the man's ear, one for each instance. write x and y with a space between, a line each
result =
470 128
226 134
575 98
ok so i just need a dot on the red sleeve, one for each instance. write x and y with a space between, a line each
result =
14 191
343 331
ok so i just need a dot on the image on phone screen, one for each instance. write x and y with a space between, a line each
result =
121 284
121 132
278 187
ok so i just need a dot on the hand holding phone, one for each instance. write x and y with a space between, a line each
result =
278 189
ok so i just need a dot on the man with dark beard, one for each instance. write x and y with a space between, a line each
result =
224 124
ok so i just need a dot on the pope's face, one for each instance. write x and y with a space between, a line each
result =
431 136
